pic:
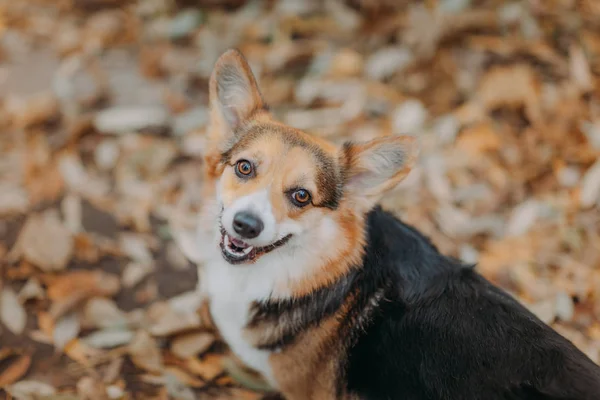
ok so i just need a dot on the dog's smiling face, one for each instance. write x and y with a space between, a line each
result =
277 183
282 191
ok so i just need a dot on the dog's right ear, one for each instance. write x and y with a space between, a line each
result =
234 96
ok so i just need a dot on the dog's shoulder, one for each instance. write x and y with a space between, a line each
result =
442 331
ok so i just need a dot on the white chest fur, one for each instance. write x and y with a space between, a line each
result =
232 290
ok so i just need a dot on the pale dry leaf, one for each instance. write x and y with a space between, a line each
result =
592 132
185 303
388 61
100 312
30 390
12 313
89 388
106 154
172 322
135 272
112 371
72 210
590 186
523 217
13 200
565 309
65 330
45 242
184 377
175 257
580 69
144 353
109 338
189 345
244 377
136 248
186 241
177 389
115 392
408 118
544 310
121 120
32 290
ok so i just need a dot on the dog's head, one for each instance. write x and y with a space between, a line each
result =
279 188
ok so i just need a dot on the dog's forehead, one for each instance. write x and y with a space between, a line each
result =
277 141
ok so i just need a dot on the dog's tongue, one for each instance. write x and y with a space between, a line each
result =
238 243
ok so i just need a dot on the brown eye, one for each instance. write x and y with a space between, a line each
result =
244 169
301 197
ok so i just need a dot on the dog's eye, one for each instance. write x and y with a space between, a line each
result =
300 197
244 169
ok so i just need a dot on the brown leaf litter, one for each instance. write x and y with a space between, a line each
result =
103 120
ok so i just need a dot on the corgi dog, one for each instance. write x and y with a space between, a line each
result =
313 285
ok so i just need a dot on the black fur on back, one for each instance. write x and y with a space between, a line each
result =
443 332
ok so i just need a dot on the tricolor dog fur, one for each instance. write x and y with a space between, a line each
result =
327 296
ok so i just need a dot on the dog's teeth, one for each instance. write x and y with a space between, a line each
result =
247 250
226 240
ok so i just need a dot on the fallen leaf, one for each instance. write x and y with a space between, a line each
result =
106 339
135 272
478 138
65 330
45 242
244 377
12 313
30 390
15 370
135 247
189 345
72 210
13 200
120 120
590 186
184 377
91 389
173 322
81 352
242 394
91 283
511 86
209 367
32 290
144 353
113 370
101 312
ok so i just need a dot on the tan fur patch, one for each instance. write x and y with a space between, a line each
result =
308 369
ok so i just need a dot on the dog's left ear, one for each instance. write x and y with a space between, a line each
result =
234 94
375 167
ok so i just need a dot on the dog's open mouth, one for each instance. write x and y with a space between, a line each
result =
236 251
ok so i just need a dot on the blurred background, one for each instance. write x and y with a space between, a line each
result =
102 129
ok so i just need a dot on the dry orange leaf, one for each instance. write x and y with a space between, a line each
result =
80 352
15 369
92 283
208 368
478 139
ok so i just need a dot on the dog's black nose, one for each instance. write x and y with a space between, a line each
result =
247 225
